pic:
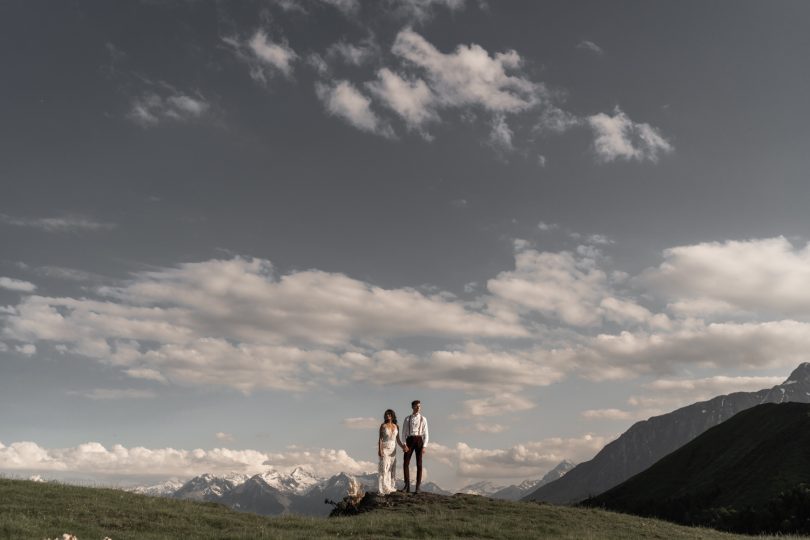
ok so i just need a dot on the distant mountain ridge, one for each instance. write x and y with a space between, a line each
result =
302 492
517 492
271 493
650 440
750 474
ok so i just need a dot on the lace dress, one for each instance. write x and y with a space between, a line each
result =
388 462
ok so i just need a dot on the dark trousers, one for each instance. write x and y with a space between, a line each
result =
414 444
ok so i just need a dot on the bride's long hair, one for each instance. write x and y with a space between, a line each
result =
393 416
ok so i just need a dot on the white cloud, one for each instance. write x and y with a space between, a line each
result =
598 239
717 385
553 119
500 136
115 394
68 223
569 288
527 460
423 10
355 54
344 100
470 76
224 437
291 5
68 274
265 58
767 276
555 284
482 427
543 226
365 422
469 80
607 414
411 99
618 137
760 345
317 62
590 46
473 368
151 108
95 459
233 322
16 285
671 394
27 349
495 405
276 55
146 374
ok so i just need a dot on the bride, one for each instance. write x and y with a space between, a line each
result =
387 451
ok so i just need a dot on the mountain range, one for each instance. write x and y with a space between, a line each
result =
750 474
301 492
271 493
515 492
648 441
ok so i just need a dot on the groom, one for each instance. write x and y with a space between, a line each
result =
415 429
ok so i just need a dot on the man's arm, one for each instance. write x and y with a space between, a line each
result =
426 432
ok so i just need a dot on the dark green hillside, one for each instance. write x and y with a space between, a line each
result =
746 474
30 510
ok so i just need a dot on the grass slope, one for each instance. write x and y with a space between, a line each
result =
754 464
35 510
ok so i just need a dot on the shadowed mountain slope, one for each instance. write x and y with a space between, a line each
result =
648 441
746 474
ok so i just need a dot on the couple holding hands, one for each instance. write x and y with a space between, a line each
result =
415 433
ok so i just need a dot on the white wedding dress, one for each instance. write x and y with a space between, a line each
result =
388 462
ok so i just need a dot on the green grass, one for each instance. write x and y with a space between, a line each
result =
33 510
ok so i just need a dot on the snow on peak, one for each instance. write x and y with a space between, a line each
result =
298 481
163 489
481 488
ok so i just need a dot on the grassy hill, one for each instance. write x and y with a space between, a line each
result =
37 510
748 474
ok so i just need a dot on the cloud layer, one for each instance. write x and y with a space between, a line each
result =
527 460
556 314
95 459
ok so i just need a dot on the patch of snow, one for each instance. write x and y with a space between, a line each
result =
300 481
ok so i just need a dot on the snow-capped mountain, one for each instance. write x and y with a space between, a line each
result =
517 492
272 493
485 488
163 489
299 481
209 487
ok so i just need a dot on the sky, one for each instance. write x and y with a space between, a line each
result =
233 233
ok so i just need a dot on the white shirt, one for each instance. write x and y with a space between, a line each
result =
415 425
